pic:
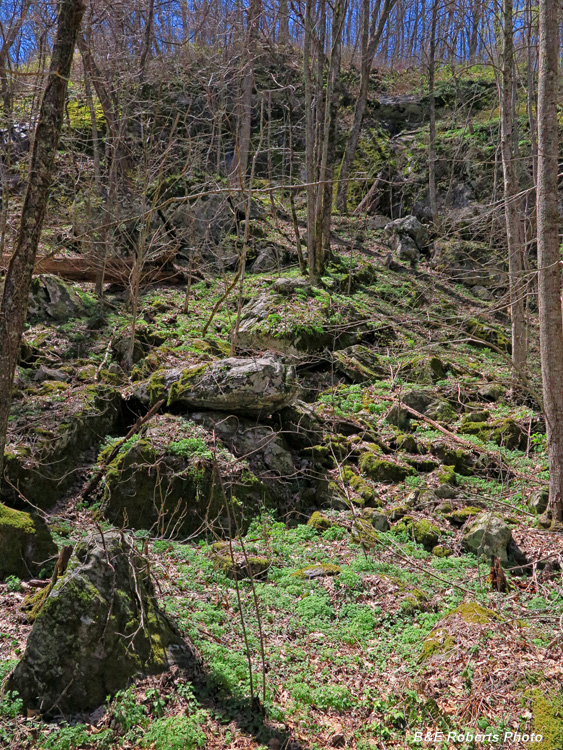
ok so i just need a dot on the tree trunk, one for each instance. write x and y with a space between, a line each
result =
369 46
432 110
549 269
283 13
514 229
13 307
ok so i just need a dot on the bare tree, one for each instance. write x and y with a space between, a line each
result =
549 267
13 308
514 228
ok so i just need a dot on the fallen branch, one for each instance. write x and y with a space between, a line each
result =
97 478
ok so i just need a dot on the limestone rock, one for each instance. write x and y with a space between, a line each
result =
25 544
166 481
99 628
377 519
52 298
260 385
489 536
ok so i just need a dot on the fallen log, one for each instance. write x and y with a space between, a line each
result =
117 271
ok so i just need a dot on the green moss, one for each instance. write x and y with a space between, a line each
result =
459 517
423 532
440 551
364 533
319 522
358 485
437 643
448 476
474 613
384 471
547 712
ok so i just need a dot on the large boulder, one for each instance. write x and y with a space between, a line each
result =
99 628
25 544
51 298
408 237
468 263
489 536
167 481
257 385
47 440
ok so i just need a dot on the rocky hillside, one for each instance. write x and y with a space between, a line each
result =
326 531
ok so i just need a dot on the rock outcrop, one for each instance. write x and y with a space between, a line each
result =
25 544
99 628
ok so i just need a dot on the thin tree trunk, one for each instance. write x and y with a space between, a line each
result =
13 307
514 229
549 269
283 14
368 53
432 107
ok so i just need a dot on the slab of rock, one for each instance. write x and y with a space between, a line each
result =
51 298
99 628
25 544
257 386
489 536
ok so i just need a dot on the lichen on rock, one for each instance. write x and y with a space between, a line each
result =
99 628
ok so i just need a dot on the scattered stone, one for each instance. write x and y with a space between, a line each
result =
364 533
99 628
378 520
539 501
45 373
489 536
321 570
26 545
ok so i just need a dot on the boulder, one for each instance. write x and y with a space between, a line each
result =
289 285
409 226
166 480
47 441
25 544
489 536
99 628
51 298
377 519
359 364
258 386
468 263
539 501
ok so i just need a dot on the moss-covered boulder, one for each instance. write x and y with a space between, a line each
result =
539 500
259 385
359 364
319 570
364 494
364 533
382 470
48 437
424 369
25 544
489 536
167 481
462 515
99 628
463 461
422 531
378 520
319 522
